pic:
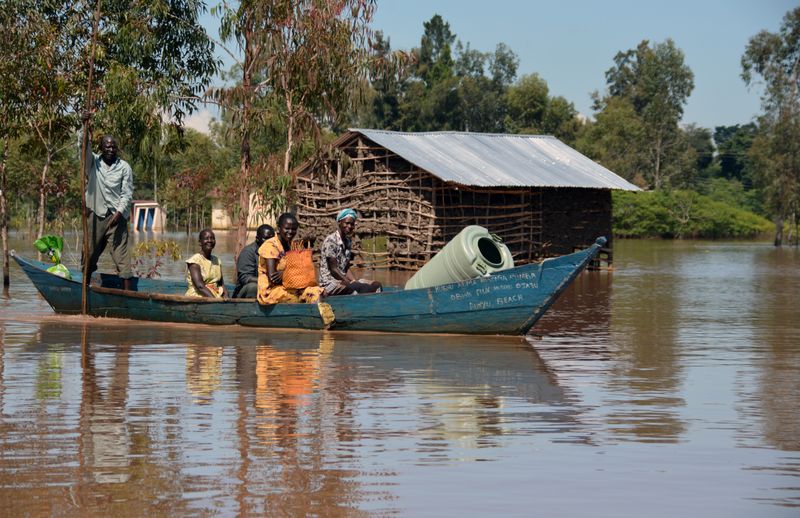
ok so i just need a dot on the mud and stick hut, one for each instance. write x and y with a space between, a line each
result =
415 191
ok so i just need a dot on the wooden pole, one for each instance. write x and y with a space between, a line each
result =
4 214
84 163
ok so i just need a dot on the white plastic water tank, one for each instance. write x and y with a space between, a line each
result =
473 252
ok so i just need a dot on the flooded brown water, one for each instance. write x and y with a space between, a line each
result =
668 387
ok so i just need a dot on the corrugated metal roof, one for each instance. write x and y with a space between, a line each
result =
498 160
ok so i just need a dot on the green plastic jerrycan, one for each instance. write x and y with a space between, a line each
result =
474 252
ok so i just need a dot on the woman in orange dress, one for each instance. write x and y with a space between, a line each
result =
271 265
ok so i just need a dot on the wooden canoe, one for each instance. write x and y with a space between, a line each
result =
508 302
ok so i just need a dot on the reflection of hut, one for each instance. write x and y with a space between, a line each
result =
147 215
416 191
221 216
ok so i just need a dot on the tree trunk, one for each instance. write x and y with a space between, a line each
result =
42 198
779 231
4 214
244 163
287 157
29 219
657 171
244 198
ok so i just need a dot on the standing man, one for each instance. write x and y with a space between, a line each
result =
109 191
247 265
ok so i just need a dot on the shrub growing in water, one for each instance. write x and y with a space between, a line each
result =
682 214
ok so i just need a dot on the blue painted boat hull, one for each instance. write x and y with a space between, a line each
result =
505 303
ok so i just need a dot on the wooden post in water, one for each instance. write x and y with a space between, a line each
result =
84 162
4 214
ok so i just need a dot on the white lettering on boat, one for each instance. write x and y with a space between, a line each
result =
461 296
508 300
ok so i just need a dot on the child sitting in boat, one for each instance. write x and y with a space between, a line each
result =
204 271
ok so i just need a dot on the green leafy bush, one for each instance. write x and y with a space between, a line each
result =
682 214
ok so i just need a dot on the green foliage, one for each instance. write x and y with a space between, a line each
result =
656 83
450 86
531 110
527 102
310 59
682 214
702 143
151 60
62 186
50 245
733 193
308 77
733 144
160 42
383 106
775 152
148 257
435 62
614 140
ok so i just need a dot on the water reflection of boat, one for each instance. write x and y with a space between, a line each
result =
499 366
506 303
293 415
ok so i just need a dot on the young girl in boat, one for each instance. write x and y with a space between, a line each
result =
204 271
272 263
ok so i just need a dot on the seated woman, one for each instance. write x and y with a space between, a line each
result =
334 266
272 263
204 271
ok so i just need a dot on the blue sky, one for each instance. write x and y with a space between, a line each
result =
571 43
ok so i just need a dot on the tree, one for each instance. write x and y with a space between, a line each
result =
47 114
481 105
435 61
561 120
526 101
656 83
160 48
17 92
43 91
701 144
309 54
733 144
530 109
775 152
152 59
616 140
469 62
453 86
503 66
386 85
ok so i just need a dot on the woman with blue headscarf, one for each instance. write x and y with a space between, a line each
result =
335 276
